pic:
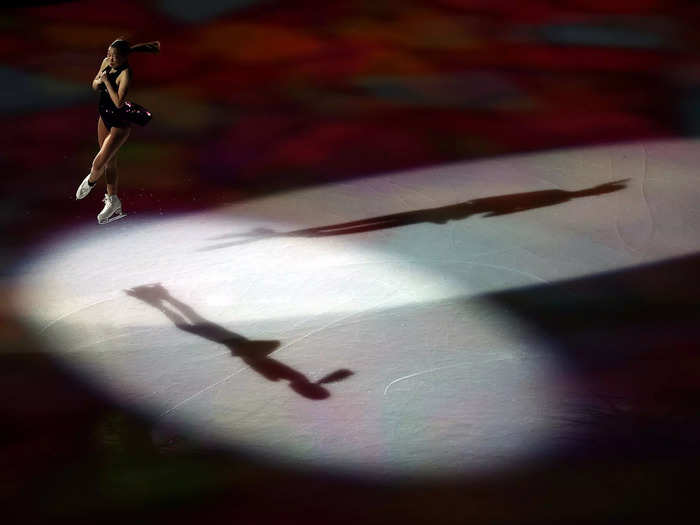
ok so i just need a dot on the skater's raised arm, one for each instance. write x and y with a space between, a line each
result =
96 81
118 94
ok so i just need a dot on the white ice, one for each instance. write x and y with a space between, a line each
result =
441 381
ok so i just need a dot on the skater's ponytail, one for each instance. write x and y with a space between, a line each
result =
146 47
124 48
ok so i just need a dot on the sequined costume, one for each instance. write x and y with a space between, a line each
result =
108 111
129 113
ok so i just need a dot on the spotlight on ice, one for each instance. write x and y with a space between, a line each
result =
346 326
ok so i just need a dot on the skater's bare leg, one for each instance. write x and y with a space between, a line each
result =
111 144
111 176
111 168
102 134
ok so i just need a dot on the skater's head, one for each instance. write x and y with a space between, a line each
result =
119 50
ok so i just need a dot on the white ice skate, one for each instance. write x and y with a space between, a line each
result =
112 210
83 189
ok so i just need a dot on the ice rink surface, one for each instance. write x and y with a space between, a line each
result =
352 326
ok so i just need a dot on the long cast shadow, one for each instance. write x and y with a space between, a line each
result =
254 353
489 206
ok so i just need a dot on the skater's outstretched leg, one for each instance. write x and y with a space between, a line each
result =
110 144
116 138
87 184
113 205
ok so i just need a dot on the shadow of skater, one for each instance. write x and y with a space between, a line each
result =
254 353
490 206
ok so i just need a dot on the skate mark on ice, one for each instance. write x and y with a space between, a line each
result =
622 238
626 244
282 347
77 310
652 223
108 338
203 390
422 372
498 267
329 325
617 214
431 370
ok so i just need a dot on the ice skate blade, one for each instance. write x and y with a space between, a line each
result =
112 218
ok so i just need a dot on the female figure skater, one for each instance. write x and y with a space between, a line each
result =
114 124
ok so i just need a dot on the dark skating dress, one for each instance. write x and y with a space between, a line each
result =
129 113
108 111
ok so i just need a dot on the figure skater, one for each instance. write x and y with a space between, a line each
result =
116 115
